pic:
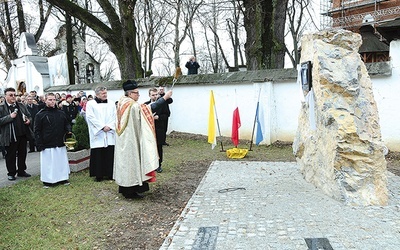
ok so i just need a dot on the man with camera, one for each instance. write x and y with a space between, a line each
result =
192 66
15 132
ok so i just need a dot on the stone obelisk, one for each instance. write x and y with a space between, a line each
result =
338 143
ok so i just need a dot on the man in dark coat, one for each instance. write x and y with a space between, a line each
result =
15 131
192 65
51 125
33 110
160 117
166 112
70 109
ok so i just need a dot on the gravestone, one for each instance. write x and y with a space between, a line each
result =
338 143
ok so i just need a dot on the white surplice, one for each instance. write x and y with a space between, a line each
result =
54 165
99 115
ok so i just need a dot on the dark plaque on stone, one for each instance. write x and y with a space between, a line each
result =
206 238
318 244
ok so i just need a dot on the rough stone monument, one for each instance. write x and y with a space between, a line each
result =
338 143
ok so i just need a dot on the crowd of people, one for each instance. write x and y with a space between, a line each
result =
71 104
126 137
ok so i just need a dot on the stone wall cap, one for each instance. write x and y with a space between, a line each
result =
239 77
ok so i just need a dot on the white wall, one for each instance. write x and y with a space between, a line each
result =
387 96
281 103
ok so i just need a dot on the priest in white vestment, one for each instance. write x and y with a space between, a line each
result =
136 157
51 124
100 116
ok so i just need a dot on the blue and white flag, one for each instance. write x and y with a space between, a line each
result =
260 123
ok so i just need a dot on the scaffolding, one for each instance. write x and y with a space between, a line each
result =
325 18
347 20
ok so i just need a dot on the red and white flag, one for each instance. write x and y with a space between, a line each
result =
235 126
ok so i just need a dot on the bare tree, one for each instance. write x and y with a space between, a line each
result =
209 20
212 46
152 18
94 45
145 31
264 21
98 49
117 29
192 9
109 69
299 19
233 25
13 21
222 19
184 11
45 47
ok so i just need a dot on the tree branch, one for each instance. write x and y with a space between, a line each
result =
104 31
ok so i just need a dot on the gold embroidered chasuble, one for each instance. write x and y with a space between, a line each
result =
136 155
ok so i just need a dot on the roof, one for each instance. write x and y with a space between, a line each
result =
370 42
390 30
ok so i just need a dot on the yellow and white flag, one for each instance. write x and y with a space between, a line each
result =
211 122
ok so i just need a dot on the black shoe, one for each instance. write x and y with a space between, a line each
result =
24 174
11 178
48 185
159 169
134 196
165 144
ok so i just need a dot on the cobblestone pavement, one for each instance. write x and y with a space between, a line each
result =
268 205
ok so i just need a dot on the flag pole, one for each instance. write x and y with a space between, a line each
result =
255 120
235 108
173 83
235 124
219 130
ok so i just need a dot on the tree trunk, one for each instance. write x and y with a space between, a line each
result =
120 34
44 17
21 17
128 54
264 21
267 39
7 39
70 51
253 23
177 44
278 61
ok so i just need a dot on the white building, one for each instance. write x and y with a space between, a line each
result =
29 71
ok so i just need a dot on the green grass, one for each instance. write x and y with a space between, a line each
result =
37 218
81 215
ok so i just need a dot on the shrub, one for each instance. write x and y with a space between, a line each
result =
148 73
81 132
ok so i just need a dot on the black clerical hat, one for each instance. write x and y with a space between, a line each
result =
129 85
